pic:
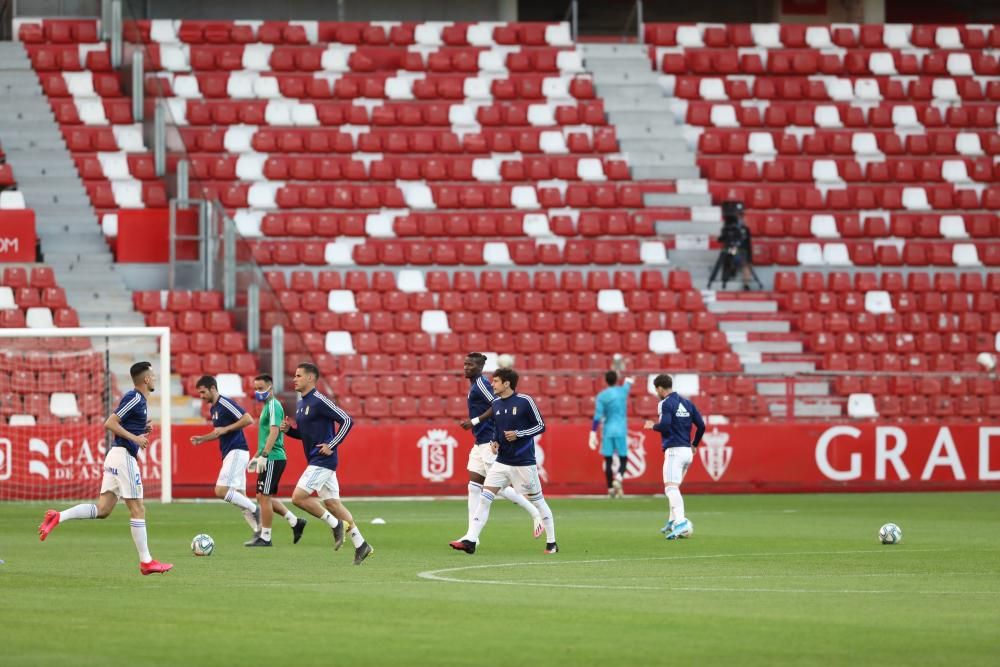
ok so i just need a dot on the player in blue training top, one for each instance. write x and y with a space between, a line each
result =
229 420
611 409
482 456
676 416
315 416
517 423
131 426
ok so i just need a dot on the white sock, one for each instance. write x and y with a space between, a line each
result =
138 527
482 515
547 521
676 503
236 498
330 520
265 534
475 490
291 519
85 511
513 496
356 538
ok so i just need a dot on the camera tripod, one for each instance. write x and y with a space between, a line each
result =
720 265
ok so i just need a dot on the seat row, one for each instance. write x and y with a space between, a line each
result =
159 31
451 225
842 142
787 253
443 60
895 323
903 343
893 362
892 169
411 281
807 62
844 35
422 196
889 281
456 253
253 85
941 197
248 139
878 226
904 386
781 114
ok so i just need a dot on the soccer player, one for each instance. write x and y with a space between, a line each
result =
121 469
269 464
482 455
611 409
315 416
676 416
229 420
517 423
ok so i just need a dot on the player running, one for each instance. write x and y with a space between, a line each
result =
229 420
517 423
269 464
676 415
611 409
315 415
482 455
121 469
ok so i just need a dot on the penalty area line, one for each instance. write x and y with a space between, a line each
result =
442 575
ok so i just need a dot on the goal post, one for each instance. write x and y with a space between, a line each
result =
57 387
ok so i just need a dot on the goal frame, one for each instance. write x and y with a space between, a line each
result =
162 334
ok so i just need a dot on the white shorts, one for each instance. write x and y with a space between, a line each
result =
524 479
481 457
121 474
233 473
676 461
322 481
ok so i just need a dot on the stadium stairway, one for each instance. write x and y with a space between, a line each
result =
656 147
71 240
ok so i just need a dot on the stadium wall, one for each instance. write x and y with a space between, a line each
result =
428 459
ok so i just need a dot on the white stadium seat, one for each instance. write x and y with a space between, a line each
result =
411 281
339 342
230 384
878 302
434 322
662 342
611 301
861 406
341 301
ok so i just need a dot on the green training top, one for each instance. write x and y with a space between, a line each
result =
272 414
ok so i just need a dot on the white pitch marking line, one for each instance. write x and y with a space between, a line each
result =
439 575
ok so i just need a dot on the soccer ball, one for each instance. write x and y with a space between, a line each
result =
505 361
202 545
689 531
890 533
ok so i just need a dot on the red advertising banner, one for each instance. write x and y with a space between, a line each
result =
429 459
143 235
17 236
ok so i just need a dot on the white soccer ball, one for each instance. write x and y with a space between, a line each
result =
505 361
202 545
890 533
687 532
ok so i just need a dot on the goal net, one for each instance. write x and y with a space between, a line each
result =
57 388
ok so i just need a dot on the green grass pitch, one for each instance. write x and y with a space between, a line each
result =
766 579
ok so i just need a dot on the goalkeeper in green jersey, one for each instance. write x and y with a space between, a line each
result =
269 463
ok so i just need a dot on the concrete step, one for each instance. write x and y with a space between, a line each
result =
762 346
646 77
807 409
652 106
672 228
739 306
803 388
779 367
756 326
112 319
647 158
663 172
664 147
610 51
621 63
673 199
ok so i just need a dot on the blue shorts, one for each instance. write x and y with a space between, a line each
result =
615 444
